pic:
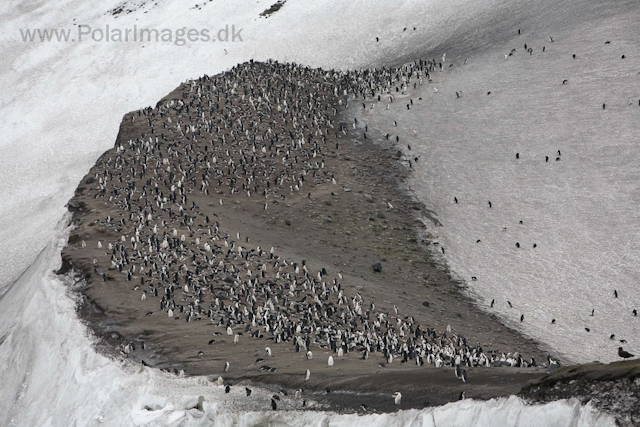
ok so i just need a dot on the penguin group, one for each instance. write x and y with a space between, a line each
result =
260 131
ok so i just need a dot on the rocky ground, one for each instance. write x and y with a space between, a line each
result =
613 388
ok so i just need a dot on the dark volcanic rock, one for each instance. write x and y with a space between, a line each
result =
612 388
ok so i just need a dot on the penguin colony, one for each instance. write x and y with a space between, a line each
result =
260 131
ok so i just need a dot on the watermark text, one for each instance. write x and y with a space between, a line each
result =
134 34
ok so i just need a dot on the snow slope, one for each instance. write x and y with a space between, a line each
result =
581 211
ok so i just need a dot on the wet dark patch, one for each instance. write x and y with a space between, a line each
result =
273 9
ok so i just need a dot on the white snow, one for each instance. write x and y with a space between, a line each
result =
582 212
62 103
